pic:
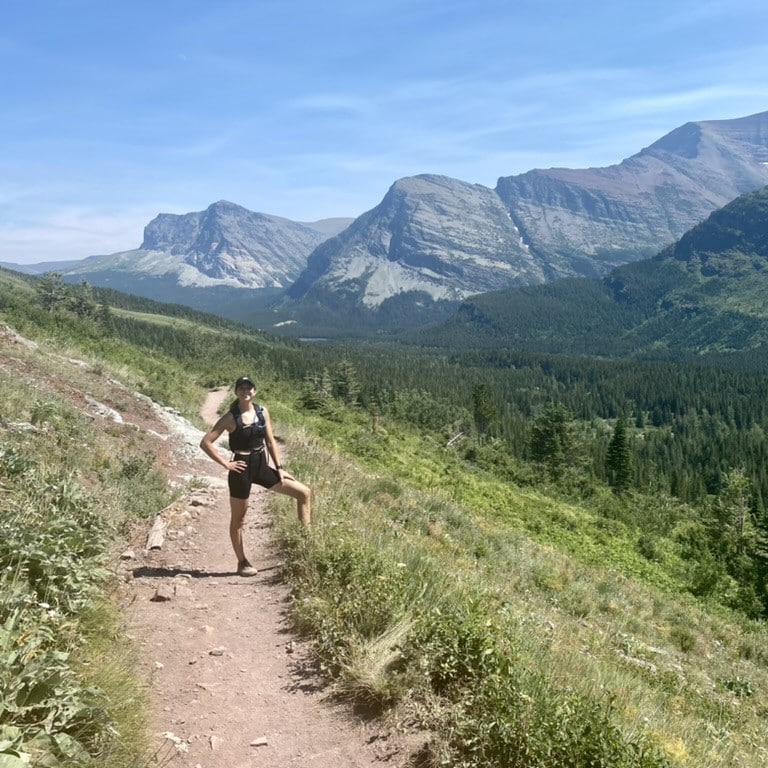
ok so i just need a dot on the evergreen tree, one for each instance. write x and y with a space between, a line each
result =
317 393
735 518
346 386
104 315
484 411
618 462
740 543
51 291
82 301
553 442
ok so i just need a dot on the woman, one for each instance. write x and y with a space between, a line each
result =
252 443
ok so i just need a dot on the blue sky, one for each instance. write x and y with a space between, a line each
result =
111 113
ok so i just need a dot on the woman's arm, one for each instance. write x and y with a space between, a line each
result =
225 423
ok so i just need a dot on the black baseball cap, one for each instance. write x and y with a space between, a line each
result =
244 380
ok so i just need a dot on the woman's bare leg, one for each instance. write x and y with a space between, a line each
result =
302 494
238 508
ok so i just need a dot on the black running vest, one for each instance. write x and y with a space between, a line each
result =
248 437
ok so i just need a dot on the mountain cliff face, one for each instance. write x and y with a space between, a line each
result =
445 239
582 222
430 235
225 244
703 295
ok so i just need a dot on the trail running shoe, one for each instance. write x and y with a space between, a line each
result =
244 568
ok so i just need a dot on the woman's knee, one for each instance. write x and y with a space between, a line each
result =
238 508
300 492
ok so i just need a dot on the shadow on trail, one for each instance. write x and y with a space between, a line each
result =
158 572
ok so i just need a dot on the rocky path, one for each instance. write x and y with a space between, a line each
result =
230 686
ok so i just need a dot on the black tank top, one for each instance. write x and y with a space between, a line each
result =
248 437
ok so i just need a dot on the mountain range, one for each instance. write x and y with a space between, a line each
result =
433 241
703 296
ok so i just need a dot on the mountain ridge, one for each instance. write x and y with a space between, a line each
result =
433 241
702 295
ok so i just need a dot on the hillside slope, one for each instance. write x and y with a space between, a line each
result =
223 672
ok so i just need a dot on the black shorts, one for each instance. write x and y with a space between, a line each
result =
258 471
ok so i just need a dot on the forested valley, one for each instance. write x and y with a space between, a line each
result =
689 432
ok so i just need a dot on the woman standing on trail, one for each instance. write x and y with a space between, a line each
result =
252 443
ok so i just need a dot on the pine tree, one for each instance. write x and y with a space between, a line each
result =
51 291
345 383
553 442
82 301
317 395
104 315
618 462
483 410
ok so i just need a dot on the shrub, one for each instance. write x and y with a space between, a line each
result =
347 591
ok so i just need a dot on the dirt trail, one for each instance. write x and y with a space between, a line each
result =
230 686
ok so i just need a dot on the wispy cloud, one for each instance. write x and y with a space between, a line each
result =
73 233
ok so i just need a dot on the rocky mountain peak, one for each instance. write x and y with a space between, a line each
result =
230 243
430 235
433 239
584 222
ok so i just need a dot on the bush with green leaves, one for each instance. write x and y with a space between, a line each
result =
52 545
55 538
345 590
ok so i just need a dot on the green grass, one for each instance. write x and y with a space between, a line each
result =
69 695
514 627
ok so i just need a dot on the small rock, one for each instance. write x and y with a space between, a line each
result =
163 594
215 743
219 651
129 554
104 410
182 590
260 742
